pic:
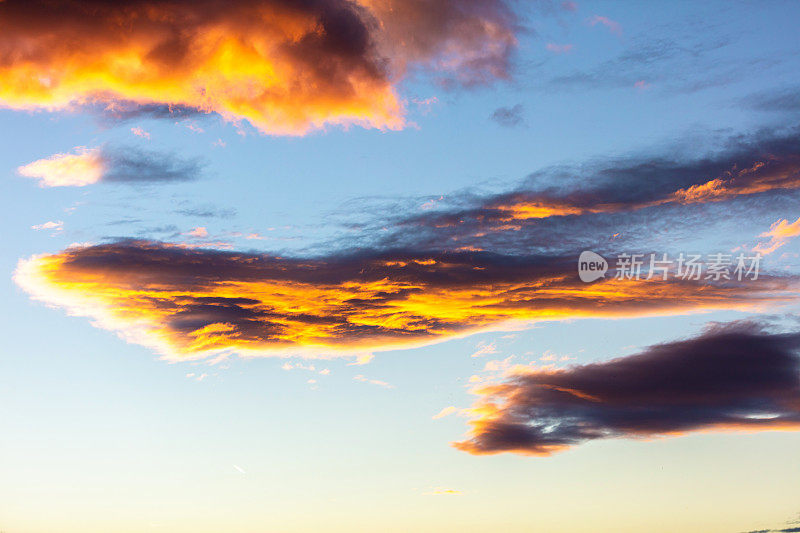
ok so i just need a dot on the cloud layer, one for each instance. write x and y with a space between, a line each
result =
287 67
197 302
733 377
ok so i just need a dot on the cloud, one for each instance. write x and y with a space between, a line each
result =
656 60
286 67
779 233
208 212
139 132
485 349
576 205
613 26
783 100
200 232
509 116
188 302
85 166
56 226
559 48
449 410
442 491
734 377
379 383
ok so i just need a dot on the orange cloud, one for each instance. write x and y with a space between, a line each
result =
193 303
287 67
771 174
779 233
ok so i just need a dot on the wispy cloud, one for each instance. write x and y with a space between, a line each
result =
51 225
559 48
612 25
509 116
779 234
139 132
378 382
442 491
447 411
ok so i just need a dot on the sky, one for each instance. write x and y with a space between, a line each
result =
314 266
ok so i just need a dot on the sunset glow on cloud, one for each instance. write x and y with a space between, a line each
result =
285 67
190 303
779 234
84 167
778 173
400 265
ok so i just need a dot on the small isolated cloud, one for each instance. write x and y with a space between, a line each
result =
55 226
449 410
613 26
199 232
85 166
734 377
779 234
484 349
82 167
641 85
559 48
509 116
364 379
139 132
194 128
208 212
441 491
362 359
569 6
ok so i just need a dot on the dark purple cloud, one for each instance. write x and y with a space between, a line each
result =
737 377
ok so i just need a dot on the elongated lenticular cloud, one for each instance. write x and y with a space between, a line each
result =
736 377
86 166
191 303
287 67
